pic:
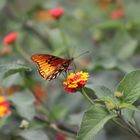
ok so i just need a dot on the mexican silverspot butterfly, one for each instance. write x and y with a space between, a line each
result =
49 66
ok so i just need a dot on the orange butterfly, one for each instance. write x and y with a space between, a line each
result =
49 66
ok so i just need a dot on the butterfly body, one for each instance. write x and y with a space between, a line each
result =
49 66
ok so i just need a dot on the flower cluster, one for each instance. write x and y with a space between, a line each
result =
76 81
117 14
56 12
10 38
4 107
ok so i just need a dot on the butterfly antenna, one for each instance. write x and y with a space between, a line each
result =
81 54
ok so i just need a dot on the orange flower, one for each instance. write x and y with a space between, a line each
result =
43 16
4 107
76 81
1 89
10 38
39 92
13 89
117 14
56 12
104 4
6 50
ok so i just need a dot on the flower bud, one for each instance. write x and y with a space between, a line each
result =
10 38
118 94
56 12
110 105
24 124
117 14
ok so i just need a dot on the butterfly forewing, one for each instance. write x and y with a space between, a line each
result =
49 66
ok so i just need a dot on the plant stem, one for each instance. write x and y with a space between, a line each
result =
21 52
57 127
118 123
86 96
130 127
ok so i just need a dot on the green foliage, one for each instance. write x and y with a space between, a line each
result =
2 4
102 91
128 106
34 134
113 58
9 69
24 104
94 119
130 87
18 68
3 121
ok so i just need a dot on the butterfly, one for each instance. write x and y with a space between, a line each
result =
49 66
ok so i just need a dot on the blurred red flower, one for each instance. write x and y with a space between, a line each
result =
60 136
4 107
117 14
10 38
56 12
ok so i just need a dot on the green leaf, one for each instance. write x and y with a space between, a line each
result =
129 115
130 87
89 90
125 47
3 121
128 49
9 69
129 106
35 134
112 63
102 91
93 120
15 68
111 24
24 104
125 66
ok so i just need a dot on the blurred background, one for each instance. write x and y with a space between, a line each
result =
108 29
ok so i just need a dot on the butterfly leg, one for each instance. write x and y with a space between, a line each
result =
74 67
68 71
64 74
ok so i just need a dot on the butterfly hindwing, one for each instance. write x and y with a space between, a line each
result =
49 66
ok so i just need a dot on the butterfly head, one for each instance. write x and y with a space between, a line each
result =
70 60
67 63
